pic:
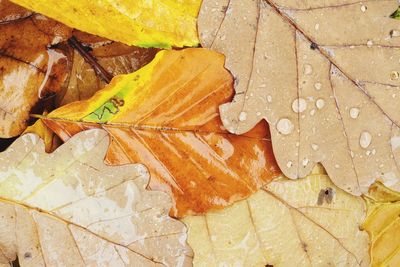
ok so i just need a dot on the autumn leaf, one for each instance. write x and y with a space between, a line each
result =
165 115
141 23
383 225
308 222
69 209
31 70
324 75
116 58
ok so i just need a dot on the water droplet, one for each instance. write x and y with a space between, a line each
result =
312 112
316 27
363 8
307 69
269 98
368 152
314 146
373 151
317 86
369 43
289 164
305 161
394 33
365 139
337 166
285 126
354 112
320 103
394 75
299 105
242 116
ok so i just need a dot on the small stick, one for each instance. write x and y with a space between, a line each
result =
103 74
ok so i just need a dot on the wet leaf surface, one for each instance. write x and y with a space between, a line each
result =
32 70
324 74
68 208
166 116
140 23
284 224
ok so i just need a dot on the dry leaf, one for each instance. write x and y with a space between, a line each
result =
383 225
309 222
30 70
166 116
141 22
69 209
324 74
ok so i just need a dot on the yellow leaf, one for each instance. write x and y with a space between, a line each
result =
70 209
161 23
383 225
307 222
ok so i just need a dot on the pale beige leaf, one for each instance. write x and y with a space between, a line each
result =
70 209
307 222
324 74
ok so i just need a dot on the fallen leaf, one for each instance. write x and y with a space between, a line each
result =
140 23
308 222
31 71
165 116
114 57
324 74
69 209
383 225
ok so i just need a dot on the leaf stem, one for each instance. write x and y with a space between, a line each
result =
103 74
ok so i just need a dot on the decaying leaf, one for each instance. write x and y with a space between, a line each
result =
324 74
165 116
142 23
284 224
31 71
69 209
383 225
116 58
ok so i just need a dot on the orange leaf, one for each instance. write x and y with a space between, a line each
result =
166 116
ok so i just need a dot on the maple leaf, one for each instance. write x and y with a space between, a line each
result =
325 75
31 71
383 224
68 208
309 222
140 23
165 115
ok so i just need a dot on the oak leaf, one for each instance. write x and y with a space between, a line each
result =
140 23
69 209
31 70
308 222
165 115
383 225
324 74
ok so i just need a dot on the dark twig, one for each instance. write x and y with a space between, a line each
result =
103 74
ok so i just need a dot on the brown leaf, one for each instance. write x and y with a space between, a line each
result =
31 70
324 74
165 116
70 209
